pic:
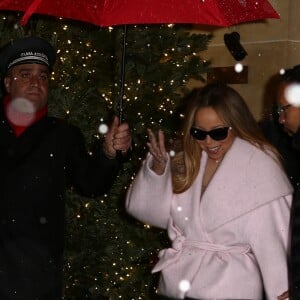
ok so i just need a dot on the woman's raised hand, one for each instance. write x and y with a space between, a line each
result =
157 148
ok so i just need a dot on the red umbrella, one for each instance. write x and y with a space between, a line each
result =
117 12
121 12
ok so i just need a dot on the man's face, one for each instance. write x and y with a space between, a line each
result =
289 116
29 82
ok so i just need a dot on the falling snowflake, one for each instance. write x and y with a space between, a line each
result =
292 94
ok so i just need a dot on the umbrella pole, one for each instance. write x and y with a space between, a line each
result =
121 94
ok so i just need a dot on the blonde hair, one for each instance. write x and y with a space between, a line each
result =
233 111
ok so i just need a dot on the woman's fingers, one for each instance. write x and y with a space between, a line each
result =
161 142
157 147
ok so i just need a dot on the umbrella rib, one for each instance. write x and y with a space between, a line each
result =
30 10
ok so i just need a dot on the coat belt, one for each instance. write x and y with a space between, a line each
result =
171 255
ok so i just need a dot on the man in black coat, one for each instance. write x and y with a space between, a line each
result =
40 157
288 101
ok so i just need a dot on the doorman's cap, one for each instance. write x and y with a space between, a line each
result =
26 50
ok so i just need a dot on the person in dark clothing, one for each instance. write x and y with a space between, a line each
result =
289 118
274 133
40 157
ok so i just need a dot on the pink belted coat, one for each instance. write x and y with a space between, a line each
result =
231 241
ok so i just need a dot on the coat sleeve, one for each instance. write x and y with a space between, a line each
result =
268 232
149 196
91 174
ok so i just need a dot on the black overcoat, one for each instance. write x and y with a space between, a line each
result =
295 234
35 170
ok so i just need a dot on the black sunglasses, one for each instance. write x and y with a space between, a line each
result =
217 134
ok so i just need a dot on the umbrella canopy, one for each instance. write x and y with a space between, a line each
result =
117 12
221 13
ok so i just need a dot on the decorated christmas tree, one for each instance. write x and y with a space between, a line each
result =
109 255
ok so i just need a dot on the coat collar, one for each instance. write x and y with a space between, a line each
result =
246 179
12 148
20 121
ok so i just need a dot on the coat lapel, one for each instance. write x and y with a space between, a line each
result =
246 179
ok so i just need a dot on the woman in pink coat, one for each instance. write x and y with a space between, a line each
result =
224 200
